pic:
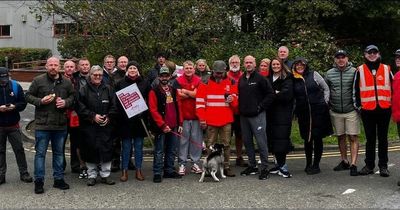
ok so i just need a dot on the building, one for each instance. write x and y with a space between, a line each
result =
22 26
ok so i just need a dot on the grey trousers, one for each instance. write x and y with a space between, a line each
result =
105 169
190 142
255 126
14 137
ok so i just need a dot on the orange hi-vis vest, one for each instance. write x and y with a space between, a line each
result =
376 88
211 105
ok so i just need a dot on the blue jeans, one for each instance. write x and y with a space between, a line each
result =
164 142
126 151
57 138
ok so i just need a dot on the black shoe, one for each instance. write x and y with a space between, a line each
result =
343 165
249 171
173 175
83 173
60 184
274 170
25 177
157 178
91 182
131 166
384 172
39 187
353 170
107 181
263 174
314 170
365 171
115 166
398 183
2 180
307 169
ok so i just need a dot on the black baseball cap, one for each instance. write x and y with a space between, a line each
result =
4 76
340 52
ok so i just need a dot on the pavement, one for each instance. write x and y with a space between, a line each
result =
327 190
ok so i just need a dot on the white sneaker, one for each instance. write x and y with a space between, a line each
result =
196 169
182 170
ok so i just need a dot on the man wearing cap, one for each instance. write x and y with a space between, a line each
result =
345 119
167 121
51 94
373 98
12 101
255 97
216 102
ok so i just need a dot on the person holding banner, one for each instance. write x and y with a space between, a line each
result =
167 120
96 105
131 129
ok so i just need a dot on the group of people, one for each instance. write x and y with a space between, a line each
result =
192 107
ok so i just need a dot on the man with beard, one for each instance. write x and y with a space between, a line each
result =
167 121
373 99
216 102
51 94
235 73
153 73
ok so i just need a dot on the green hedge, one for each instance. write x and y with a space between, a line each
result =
16 54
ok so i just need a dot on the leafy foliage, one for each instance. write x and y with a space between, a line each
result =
15 54
218 29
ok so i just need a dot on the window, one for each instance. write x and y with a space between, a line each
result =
5 31
65 29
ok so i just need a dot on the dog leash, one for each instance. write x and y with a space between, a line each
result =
191 141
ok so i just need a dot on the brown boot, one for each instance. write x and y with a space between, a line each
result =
139 175
124 176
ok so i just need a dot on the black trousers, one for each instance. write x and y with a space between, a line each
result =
15 139
376 123
316 145
74 138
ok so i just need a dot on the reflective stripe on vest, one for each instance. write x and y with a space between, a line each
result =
217 104
367 87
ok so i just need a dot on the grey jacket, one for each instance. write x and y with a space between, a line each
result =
341 87
49 117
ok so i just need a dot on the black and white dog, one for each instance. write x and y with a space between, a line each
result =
213 163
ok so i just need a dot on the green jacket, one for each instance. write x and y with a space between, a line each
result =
341 88
49 117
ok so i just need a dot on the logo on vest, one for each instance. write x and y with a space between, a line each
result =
379 77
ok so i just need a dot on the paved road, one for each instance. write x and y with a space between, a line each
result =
325 190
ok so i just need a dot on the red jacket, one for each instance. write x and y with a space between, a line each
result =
188 105
157 103
396 98
210 102
235 75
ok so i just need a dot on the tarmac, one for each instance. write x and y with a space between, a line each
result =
28 116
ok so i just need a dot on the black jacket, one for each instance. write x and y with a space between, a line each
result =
279 115
255 94
132 127
96 143
7 96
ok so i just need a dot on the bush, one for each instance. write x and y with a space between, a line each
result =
22 55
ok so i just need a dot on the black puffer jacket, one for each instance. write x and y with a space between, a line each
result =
311 108
279 115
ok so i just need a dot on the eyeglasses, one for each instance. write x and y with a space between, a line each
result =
97 75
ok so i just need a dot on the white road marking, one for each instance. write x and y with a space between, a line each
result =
348 191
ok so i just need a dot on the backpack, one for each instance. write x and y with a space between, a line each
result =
14 86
